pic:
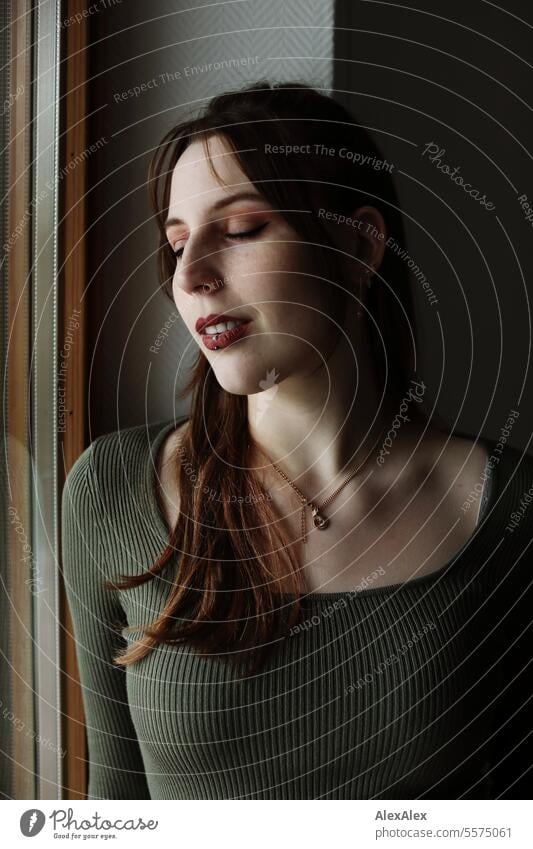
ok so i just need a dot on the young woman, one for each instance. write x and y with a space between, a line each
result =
305 587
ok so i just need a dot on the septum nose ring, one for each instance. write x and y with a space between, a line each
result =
207 287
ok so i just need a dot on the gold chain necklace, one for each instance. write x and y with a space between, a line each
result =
320 521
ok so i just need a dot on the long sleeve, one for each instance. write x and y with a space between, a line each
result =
116 769
329 716
512 745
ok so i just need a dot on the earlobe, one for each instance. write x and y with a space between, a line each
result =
373 231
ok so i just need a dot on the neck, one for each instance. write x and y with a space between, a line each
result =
318 426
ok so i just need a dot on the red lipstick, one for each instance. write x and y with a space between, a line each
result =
216 318
217 341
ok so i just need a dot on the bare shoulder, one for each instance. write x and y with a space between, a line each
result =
420 451
455 454
434 462
167 474
452 463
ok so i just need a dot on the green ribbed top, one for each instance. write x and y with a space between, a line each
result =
398 692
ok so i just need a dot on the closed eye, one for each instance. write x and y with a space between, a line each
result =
247 233
244 234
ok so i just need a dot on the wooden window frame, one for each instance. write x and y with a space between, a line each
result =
74 301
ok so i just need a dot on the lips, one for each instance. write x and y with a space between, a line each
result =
225 339
216 318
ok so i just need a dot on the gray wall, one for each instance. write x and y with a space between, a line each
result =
456 76
459 75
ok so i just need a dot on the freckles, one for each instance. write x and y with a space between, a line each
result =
179 303
175 291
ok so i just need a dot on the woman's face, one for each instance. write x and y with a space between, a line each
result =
258 268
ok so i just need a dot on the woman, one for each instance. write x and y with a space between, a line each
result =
292 596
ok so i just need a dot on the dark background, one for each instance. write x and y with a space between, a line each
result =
456 74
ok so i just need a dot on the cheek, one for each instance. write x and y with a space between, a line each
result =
183 308
280 262
299 280
318 285
308 305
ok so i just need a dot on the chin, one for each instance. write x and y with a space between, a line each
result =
238 376
236 384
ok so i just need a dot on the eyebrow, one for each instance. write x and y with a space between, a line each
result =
170 222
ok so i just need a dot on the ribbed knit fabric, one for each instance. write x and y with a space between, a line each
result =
419 690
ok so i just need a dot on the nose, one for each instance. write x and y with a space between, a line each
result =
197 269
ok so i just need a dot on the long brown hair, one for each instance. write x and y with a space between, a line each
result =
228 551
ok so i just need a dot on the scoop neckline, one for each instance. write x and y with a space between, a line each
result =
421 580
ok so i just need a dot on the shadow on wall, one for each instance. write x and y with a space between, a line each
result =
444 97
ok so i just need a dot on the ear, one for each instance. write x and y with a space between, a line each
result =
372 235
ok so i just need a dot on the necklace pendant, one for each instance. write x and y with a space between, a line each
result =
319 521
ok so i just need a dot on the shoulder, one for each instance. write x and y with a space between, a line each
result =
108 499
471 455
120 451
504 542
509 467
451 460
112 481
507 470
460 465
111 458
